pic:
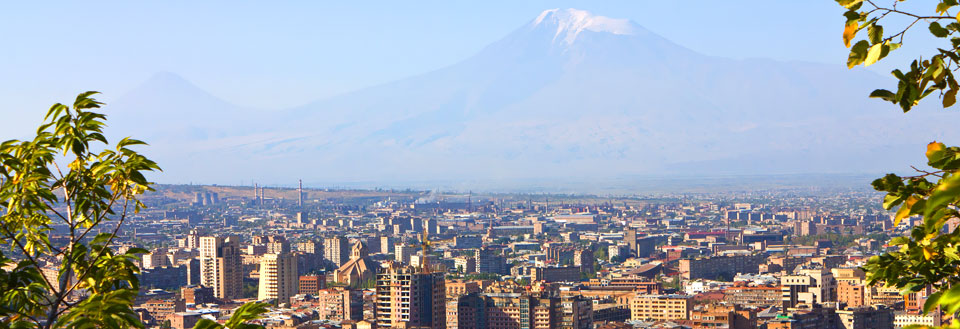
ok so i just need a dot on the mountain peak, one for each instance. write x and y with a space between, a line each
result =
570 22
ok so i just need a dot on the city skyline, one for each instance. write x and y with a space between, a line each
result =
496 165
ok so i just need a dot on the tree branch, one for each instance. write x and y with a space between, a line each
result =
106 245
30 258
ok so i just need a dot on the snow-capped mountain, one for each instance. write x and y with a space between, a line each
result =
570 94
570 22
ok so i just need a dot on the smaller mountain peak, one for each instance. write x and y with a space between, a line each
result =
570 22
166 78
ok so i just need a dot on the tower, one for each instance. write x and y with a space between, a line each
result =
278 276
336 250
220 266
408 297
299 193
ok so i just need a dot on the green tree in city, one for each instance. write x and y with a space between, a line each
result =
62 179
601 253
928 255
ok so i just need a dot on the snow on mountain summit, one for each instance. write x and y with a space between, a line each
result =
570 22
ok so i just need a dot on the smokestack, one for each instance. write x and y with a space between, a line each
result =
256 193
300 193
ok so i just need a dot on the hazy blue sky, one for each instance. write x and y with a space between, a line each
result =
274 54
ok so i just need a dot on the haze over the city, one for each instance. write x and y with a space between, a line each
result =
494 94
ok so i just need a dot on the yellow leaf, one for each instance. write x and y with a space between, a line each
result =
934 147
904 210
928 253
873 55
849 31
958 15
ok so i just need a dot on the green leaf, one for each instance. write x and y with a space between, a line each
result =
942 7
935 152
852 16
875 32
892 200
247 312
884 95
938 31
207 324
889 182
950 98
950 299
900 240
946 192
858 53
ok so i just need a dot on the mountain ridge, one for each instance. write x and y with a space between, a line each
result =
604 104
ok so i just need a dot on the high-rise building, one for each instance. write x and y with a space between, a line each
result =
584 259
196 295
630 237
311 284
850 294
155 258
339 304
418 260
192 240
410 297
723 316
810 286
414 224
403 252
467 242
717 266
278 277
518 310
193 271
277 244
220 266
866 317
538 228
430 225
489 262
336 250
386 244
660 307
465 264
310 247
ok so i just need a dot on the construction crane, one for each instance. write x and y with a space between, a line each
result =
425 246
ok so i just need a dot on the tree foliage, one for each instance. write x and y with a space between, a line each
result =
62 179
924 76
928 256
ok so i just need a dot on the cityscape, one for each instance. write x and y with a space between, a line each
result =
541 164
425 259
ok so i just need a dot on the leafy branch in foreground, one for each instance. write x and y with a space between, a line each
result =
57 179
924 76
928 257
